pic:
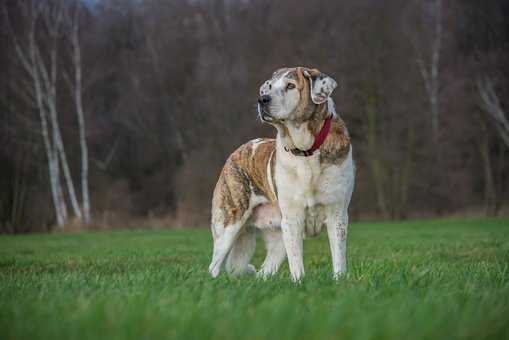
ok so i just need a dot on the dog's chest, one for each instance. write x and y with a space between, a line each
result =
311 188
308 183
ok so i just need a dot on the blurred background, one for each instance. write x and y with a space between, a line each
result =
121 113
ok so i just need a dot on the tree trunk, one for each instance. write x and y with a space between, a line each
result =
430 74
374 161
81 116
60 211
50 99
405 175
489 185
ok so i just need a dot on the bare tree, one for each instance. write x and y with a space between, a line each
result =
429 66
493 107
26 56
38 54
77 90
52 15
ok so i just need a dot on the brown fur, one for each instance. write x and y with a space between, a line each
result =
337 143
244 173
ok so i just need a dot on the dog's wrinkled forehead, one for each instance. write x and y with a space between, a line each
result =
278 78
320 85
281 73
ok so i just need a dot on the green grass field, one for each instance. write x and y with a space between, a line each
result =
414 280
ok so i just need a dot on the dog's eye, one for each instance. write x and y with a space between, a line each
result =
290 86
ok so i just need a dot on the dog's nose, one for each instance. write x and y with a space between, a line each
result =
265 99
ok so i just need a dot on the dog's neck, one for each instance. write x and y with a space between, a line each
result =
301 134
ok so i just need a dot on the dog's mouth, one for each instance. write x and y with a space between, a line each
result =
264 115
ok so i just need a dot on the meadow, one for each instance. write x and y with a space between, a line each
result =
439 279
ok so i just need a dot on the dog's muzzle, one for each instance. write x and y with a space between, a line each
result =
264 100
263 103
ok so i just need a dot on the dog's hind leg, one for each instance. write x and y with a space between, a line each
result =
276 253
231 207
223 243
237 261
224 239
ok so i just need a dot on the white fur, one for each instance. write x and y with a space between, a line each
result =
331 106
321 197
255 143
269 174
321 88
283 101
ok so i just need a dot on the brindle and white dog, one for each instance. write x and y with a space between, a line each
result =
287 187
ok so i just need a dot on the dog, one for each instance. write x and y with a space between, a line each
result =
289 187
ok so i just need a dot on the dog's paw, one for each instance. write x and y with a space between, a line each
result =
264 275
297 276
251 269
339 275
214 271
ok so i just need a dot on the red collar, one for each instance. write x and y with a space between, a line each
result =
319 139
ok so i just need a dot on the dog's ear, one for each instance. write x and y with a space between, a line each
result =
320 85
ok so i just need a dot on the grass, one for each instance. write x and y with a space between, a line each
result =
444 279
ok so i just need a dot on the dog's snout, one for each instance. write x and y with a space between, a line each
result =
264 100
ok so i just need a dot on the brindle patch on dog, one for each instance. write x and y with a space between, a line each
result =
337 145
245 174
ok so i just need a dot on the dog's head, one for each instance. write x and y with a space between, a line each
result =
292 94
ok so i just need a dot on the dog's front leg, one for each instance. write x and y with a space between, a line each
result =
292 225
337 227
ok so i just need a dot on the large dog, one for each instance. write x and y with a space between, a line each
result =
288 187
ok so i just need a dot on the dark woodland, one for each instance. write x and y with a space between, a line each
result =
143 100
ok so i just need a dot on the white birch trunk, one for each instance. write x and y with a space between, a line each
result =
81 116
31 68
49 81
60 191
